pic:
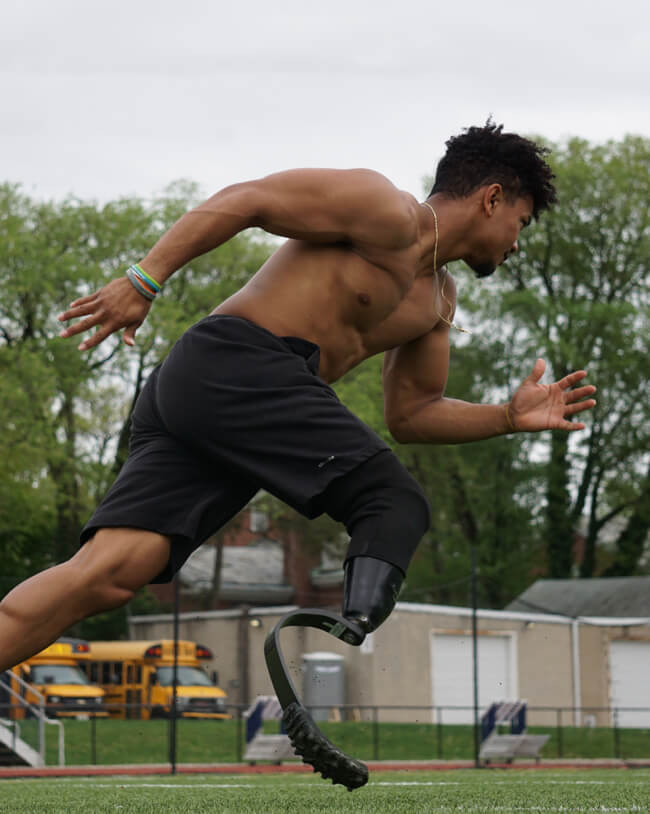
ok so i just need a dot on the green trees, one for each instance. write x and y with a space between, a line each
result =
65 414
576 294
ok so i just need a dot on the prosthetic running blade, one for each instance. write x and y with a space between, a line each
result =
305 736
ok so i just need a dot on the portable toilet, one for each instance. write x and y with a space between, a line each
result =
323 683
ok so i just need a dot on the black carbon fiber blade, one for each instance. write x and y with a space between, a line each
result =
307 739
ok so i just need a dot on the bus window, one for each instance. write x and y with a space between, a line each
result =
187 677
111 672
56 674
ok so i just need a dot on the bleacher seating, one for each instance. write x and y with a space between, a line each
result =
259 746
507 747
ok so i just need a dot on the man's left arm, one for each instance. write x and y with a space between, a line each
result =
417 410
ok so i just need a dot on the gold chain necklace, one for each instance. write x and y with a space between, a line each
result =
435 271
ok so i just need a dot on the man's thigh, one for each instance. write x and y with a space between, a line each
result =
128 557
170 492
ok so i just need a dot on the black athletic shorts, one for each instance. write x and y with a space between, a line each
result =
232 409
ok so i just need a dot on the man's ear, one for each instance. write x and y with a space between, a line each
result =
492 198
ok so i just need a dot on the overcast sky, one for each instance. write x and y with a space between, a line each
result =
103 99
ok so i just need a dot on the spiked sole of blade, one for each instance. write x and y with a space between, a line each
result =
316 750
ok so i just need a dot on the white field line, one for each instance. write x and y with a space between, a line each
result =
134 784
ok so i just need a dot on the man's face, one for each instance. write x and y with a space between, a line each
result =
500 235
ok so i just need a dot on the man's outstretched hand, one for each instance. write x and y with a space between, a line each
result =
115 306
536 406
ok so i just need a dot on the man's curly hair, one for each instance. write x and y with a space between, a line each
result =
487 155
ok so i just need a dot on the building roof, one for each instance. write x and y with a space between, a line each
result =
252 573
605 597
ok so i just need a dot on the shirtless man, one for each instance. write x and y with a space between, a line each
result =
243 400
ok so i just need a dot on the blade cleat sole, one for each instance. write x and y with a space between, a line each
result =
319 752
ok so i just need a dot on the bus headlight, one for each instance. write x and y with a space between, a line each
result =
54 699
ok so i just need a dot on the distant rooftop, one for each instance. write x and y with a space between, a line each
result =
252 573
610 596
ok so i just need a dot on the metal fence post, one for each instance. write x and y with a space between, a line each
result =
617 734
173 712
375 733
41 730
240 753
439 731
93 739
560 749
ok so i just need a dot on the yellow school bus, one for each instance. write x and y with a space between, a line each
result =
55 673
137 678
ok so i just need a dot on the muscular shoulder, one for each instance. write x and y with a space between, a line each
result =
384 205
358 205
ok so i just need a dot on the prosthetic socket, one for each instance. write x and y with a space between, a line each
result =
370 591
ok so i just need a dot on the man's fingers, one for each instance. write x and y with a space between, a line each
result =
538 370
75 313
96 338
128 337
578 407
80 301
571 379
572 426
83 300
79 327
79 308
580 393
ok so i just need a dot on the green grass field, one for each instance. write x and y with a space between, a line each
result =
217 741
407 792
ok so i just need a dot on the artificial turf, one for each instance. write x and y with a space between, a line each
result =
406 792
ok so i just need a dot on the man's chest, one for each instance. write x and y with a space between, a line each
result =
416 315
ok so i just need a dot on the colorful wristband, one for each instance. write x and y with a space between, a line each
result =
146 278
142 282
138 285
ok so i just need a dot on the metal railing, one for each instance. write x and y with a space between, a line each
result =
28 710
368 732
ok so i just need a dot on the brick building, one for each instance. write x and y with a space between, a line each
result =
258 564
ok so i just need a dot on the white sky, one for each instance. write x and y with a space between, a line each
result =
102 99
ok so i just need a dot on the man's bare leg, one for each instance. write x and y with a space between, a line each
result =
104 574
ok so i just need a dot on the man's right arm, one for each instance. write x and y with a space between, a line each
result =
358 207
